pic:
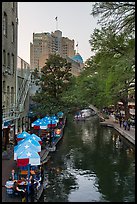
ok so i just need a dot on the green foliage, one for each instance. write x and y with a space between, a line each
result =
107 75
119 14
114 61
54 81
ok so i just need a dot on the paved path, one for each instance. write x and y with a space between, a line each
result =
128 134
7 166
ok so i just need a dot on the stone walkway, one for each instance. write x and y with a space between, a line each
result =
7 166
128 134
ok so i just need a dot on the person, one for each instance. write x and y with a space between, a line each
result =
23 181
128 124
19 191
42 174
84 116
32 190
9 186
125 124
13 175
120 120
16 188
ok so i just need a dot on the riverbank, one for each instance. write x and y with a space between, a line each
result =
128 134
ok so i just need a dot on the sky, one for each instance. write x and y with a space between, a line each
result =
74 20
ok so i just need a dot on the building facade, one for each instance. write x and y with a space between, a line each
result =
76 64
9 64
23 94
45 44
16 78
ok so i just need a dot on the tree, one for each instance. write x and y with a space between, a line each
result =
114 61
54 80
119 14
108 75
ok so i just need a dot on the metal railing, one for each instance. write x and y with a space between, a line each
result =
14 111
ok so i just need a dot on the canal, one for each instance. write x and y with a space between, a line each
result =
92 163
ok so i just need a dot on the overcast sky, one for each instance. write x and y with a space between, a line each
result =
74 20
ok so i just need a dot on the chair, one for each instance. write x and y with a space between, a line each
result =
9 188
9 192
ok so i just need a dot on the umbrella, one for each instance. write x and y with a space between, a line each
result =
54 117
60 114
28 156
40 124
22 135
51 121
24 146
29 140
37 138
36 122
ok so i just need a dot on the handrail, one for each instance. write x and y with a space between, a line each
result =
14 110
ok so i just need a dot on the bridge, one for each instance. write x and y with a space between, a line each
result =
94 108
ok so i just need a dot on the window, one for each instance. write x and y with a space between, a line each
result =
8 56
4 57
4 86
5 24
7 98
21 64
12 95
12 40
13 5
12 63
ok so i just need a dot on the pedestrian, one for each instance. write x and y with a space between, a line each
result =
125 124
42 174
13 175
9 186
32 190
120 120
19 191
128 124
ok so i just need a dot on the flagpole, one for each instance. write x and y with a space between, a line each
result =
56 22
77 47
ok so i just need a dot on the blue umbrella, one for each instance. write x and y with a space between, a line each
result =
35 137
28 157
22 135
32 141
24 146
43 124
46 118
51 121
31 154
40 124
36 122
60 114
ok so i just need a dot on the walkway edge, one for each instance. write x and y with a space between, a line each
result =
127 135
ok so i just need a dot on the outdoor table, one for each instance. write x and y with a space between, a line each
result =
25 172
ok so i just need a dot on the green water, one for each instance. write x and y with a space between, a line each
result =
90 165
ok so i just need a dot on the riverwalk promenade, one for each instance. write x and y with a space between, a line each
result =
9 164
128 134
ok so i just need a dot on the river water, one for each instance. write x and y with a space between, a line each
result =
92 163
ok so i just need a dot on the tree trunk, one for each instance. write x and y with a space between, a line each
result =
126 109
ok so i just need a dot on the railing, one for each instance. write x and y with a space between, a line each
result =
14 111
10 113
23 93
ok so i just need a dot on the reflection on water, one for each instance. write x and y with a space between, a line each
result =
91 164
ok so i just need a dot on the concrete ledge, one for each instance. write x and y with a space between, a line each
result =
124 133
